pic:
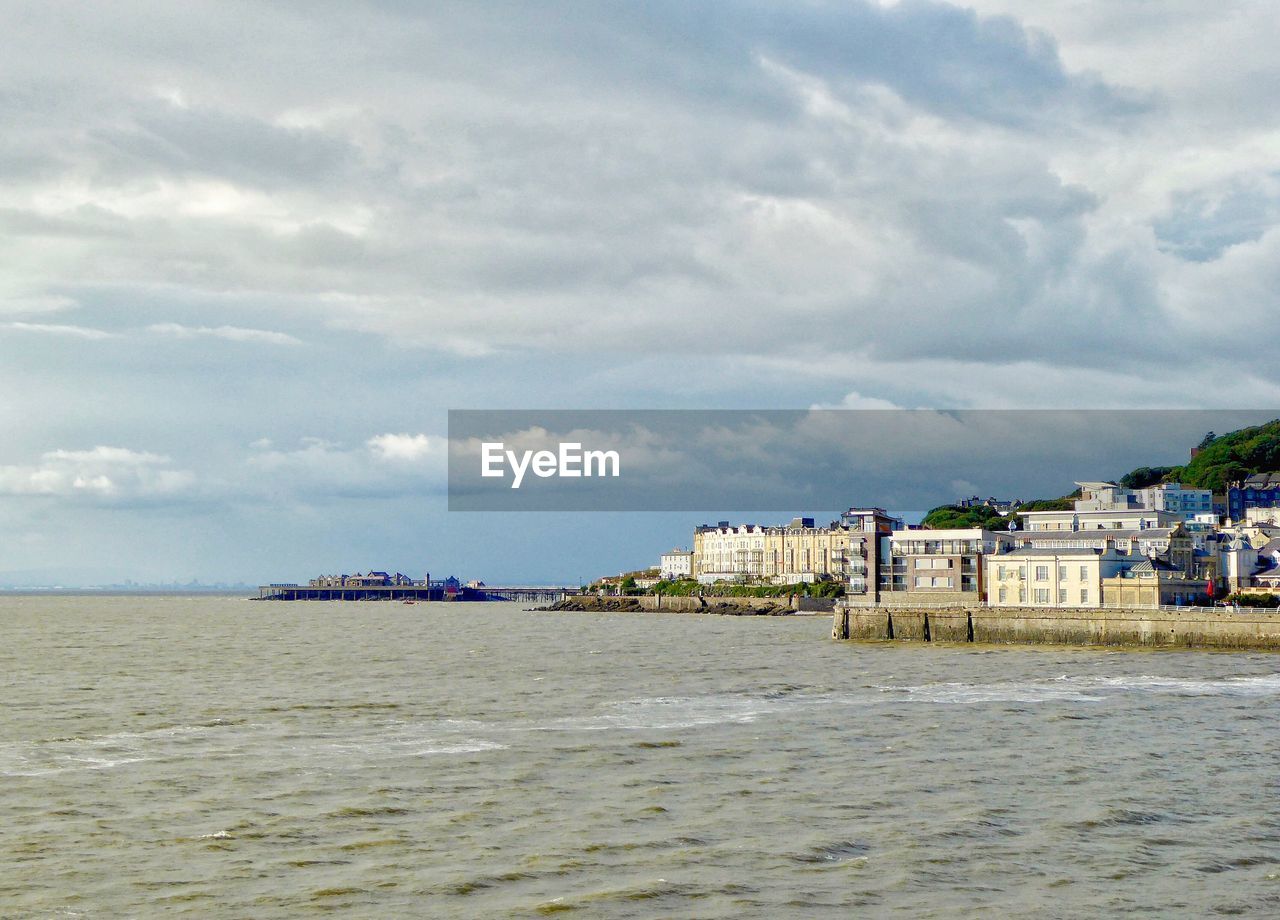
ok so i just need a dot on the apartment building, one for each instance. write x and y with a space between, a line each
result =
1172 497
938 566
876 525
796 552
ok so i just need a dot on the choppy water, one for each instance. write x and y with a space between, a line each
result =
216 757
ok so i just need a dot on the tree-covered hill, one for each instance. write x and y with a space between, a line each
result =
1229 458
1222 460
948 517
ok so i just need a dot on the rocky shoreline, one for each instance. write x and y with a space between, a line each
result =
732 607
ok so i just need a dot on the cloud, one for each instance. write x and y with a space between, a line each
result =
39 303
400 447
78 332
319 469
231 333
701 171
101 473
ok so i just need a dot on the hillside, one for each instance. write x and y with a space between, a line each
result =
1229 458
946 517
1222 460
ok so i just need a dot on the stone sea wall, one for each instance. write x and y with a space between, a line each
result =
1192 628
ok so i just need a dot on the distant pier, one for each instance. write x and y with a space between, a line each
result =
529 594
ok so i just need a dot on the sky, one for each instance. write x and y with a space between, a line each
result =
253 253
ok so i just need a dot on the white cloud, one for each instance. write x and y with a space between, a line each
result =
231 333
384 465
17 303
77 332
400 447
110 473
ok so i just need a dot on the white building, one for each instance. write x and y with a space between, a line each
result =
676 564
1106 496
1172 497
1129 519
1262 515
1166 496
1032 576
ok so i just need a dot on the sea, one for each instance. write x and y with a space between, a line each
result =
220 757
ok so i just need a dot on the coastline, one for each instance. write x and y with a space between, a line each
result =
722 606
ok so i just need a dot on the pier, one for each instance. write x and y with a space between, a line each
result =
414 593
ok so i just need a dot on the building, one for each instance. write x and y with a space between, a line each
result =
937 566
1106 496
876 526
358 580
676 564
1183 503
995 504
1153 582
1193 553
1261 490
1257 515
1101 519
728 553
796 552
1176 499
1031 576
1240 561
1142 567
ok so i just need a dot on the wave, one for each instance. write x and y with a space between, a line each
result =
1085 689
668 712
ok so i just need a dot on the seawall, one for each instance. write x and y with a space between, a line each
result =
1192 628
733 606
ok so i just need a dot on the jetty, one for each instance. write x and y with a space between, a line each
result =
414 593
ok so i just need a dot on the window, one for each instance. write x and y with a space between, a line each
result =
1062 595
1004 594
1084 595
1062 573
934 581
1000 575
1042 595
1042 573
1084 573
1022 594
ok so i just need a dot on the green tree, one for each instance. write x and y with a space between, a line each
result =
1145 476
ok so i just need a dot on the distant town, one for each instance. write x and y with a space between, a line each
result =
1108 544
1148 540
